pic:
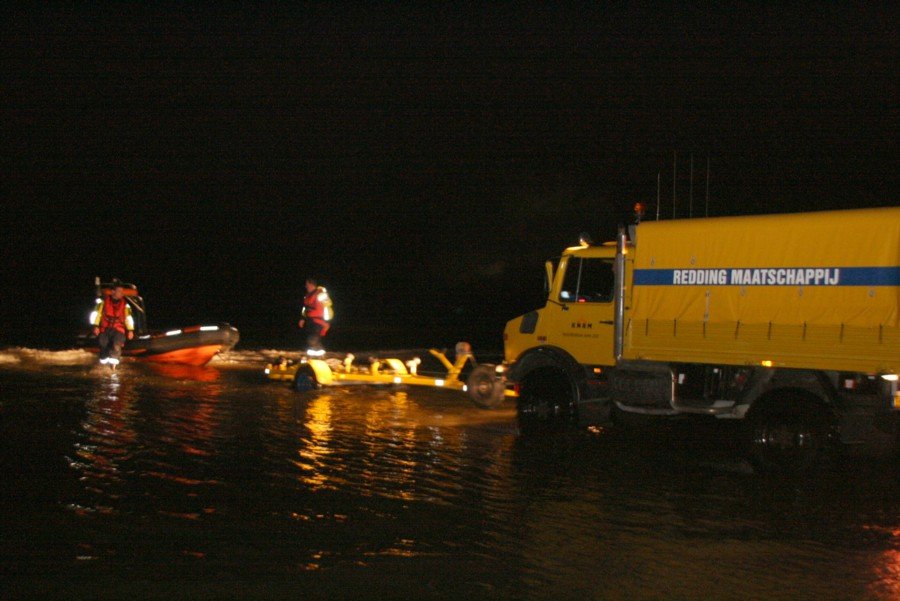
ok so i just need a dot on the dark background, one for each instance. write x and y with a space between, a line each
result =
422 162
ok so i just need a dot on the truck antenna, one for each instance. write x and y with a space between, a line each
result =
691 197
657 195
674 173
707 184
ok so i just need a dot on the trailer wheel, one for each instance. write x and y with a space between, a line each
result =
485 389
546 398
787 435
305 379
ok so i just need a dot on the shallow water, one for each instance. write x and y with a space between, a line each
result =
214 482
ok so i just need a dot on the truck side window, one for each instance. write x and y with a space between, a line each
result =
588 281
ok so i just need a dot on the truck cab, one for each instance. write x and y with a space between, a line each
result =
560 354
579 313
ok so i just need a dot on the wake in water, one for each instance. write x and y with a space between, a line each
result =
32 358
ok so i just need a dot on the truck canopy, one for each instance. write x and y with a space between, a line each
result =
822 286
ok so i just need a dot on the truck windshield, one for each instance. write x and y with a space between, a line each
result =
588 281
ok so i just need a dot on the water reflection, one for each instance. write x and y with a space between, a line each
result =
406 492
389 463
189 420
128 440
887 572
105 443
381 443
185 372
657 524
315 449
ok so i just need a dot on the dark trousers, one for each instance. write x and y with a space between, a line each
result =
313 333
111 342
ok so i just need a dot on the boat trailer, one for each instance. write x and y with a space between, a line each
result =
485 384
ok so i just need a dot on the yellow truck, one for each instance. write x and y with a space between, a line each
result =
788 322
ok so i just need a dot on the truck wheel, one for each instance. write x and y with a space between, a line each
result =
788 435
546 397
485 389
305 379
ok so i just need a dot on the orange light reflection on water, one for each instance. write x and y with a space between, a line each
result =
108 432
186 372
391 432
317 421
887 573
390 436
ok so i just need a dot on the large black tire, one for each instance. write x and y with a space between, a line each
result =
484 388
787 435
305 379
547 398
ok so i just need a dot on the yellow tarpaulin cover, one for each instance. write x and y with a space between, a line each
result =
836 268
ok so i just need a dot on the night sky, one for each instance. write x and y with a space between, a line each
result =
422 162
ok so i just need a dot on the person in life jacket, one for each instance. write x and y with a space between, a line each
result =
315 317
113 323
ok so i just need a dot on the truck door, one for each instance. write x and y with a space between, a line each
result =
580 317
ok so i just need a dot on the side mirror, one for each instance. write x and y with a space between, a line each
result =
548 282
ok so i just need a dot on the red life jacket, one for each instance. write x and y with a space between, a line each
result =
113 314
313 308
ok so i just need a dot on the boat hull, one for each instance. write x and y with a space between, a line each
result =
195 345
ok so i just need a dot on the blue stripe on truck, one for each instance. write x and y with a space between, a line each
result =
770 276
